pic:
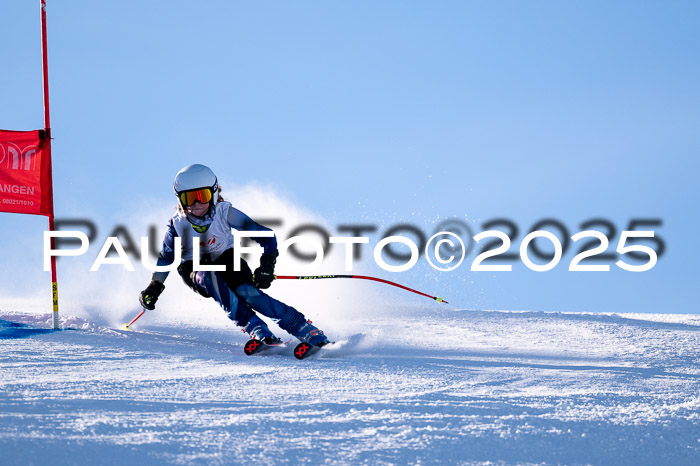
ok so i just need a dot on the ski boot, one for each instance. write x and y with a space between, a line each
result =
314 336
312 340
258 330
262 338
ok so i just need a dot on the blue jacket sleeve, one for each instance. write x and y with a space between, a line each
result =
240 221
167 253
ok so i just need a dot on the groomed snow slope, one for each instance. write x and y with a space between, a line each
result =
422 385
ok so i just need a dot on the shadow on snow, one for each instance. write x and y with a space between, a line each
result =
10 330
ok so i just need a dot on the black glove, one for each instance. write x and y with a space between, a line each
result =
149 296
263 276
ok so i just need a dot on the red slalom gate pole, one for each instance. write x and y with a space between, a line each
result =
362 277
47 129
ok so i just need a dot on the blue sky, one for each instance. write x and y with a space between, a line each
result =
382 113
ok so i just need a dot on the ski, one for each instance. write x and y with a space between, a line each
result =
303 350
257 346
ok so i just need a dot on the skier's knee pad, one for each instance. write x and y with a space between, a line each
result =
190 278
199 284
291 321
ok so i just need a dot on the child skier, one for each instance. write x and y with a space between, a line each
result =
202 212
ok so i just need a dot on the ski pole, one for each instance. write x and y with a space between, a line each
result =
126 327
316 277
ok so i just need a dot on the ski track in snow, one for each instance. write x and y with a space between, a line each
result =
430 386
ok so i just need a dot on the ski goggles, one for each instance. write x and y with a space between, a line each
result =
203 195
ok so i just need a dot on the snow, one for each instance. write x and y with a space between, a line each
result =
416 385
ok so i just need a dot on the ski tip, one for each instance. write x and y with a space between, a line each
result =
126 327
303 350
252 346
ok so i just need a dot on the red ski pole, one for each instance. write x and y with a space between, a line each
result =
126 327
316 277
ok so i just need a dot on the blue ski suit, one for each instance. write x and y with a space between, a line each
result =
234 291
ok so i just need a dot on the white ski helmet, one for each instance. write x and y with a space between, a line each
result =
195 177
